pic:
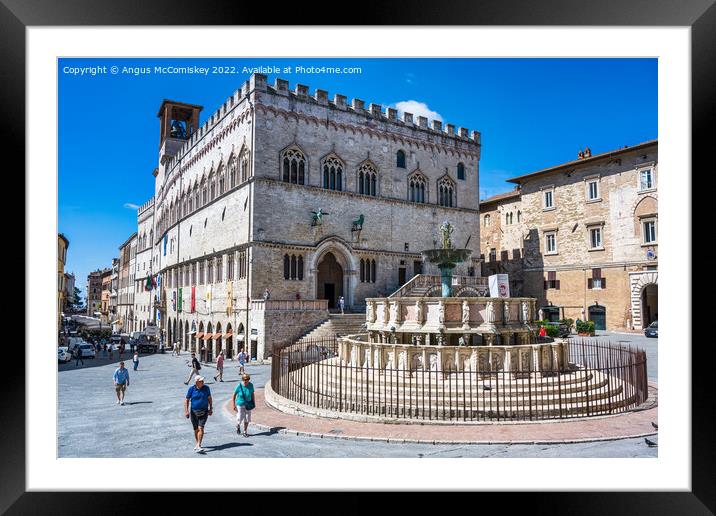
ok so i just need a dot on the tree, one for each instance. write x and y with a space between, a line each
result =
75 301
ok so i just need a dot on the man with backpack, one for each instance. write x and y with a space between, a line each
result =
195 368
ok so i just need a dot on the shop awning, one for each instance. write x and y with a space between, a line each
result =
116 322
207 336
240 337
217 335
228 334
200 335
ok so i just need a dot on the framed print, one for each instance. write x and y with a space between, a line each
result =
398 253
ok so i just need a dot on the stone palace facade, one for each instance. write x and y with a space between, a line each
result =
307 198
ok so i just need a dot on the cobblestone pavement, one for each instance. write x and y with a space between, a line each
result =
152 422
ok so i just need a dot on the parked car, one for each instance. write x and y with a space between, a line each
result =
87 351
652 330
63 354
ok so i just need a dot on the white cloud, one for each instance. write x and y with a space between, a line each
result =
417 109
131 206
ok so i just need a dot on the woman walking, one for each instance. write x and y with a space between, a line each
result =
244 402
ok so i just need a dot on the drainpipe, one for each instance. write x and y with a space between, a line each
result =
249 249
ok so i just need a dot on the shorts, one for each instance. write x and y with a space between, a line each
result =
243 414
199 421
120 387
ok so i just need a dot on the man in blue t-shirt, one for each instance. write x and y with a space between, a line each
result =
121 382
199 396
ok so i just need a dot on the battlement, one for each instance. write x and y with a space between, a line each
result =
146 206
258 82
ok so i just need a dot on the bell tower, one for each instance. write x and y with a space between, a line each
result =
178 121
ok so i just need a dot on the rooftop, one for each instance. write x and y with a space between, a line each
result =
581 161
501 197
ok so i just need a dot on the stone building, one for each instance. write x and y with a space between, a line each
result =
62 245
114 290
307 198
502 234
143 305
125 296
590 226
105 295
94 292
69 290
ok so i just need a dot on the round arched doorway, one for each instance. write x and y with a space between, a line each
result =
598 315
329 280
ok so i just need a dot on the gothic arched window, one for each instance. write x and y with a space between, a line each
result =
446 189
204 193
232 172
367 179
222 180
292 267
293 166
212 186
244 165
417 188
332 173
400 159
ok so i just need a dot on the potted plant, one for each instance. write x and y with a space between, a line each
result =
585 328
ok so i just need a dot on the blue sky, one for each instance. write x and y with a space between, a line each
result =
532 113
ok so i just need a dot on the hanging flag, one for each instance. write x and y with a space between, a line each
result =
165 245
148 283
207 299
193 298
174 300
229 298
180 300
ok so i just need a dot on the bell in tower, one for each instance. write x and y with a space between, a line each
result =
178 121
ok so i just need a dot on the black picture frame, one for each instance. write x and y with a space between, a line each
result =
700 15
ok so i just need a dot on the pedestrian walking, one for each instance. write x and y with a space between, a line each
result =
121 382
195 368
244 402
220 366
341 303
78 356
110 348
267 294
242 360
198 406
177 349
135 359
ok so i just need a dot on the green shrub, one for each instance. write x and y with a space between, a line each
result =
568 322
585 327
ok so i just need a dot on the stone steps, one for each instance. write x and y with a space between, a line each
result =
337 325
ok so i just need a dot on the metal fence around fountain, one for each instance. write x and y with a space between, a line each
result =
603 378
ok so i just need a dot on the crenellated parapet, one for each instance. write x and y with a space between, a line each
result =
257 92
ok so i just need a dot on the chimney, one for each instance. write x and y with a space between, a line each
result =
580 154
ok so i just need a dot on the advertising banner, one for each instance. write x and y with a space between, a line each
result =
499 285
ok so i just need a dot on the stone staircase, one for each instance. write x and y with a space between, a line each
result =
337 325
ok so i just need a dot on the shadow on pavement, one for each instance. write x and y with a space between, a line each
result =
137 402
224 446
272 431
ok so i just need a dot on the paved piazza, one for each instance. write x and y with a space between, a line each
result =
152 422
